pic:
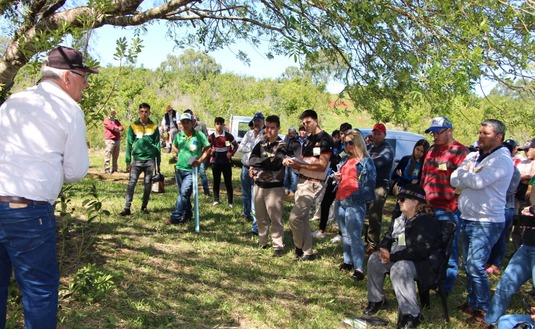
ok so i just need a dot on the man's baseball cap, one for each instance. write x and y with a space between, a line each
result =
258 116
379 127
185 116
528 145
66 58
511 142
438 124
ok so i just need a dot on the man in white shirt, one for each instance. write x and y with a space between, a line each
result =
483 179
32 171
251 138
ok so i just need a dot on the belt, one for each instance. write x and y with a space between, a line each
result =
310 178
18 199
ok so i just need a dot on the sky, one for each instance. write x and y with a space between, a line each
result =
157 46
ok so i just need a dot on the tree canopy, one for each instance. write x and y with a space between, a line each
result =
401 52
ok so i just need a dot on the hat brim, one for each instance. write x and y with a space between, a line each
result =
90 70
407 196
434 129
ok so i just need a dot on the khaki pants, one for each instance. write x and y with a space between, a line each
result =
111 153
268 211
305 195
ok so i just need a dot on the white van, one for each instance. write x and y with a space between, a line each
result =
402 142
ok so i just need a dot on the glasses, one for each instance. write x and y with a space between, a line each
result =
436 133
348 143
80 75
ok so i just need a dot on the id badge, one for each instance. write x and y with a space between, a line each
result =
443 166
401 239
227 143
316 151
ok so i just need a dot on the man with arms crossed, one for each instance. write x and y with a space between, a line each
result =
32 171
483 179
312 171
268 174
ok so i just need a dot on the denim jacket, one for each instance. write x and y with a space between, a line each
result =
366 175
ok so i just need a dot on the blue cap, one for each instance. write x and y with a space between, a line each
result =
438 124
258 116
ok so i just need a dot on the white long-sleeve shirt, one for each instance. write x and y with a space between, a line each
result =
248 143
43 143
484 186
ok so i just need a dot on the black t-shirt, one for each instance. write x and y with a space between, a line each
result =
315 145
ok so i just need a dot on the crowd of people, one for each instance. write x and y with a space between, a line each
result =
348 176
342 174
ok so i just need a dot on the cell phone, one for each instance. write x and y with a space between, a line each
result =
527 306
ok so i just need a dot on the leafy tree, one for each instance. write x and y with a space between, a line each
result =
396 50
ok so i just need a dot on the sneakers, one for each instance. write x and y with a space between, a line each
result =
298 253
409 321
465 308
306 258
318 235
125 212
357 275
477 318
215 203
373 307
337 239
278 253
231 206
345 267
145 211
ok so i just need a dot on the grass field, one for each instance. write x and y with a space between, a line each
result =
136 272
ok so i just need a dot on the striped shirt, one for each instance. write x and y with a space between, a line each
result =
439 163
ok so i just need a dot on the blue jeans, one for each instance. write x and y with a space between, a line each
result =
511 320
290 180
478 239
247 186
204 178
184 182
28 244
350 217
519 270
453 262
138 167
498 251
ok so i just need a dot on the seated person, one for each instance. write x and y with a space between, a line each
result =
518 271
409 251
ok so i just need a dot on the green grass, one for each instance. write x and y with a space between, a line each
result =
171 277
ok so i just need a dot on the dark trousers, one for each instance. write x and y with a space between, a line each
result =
226 169
328 199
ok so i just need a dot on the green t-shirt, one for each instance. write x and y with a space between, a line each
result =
532 181
188 147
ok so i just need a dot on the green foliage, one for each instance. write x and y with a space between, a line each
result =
90 284
93 205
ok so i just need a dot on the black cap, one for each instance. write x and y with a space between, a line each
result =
412 191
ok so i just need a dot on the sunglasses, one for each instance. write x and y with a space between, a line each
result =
348 143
